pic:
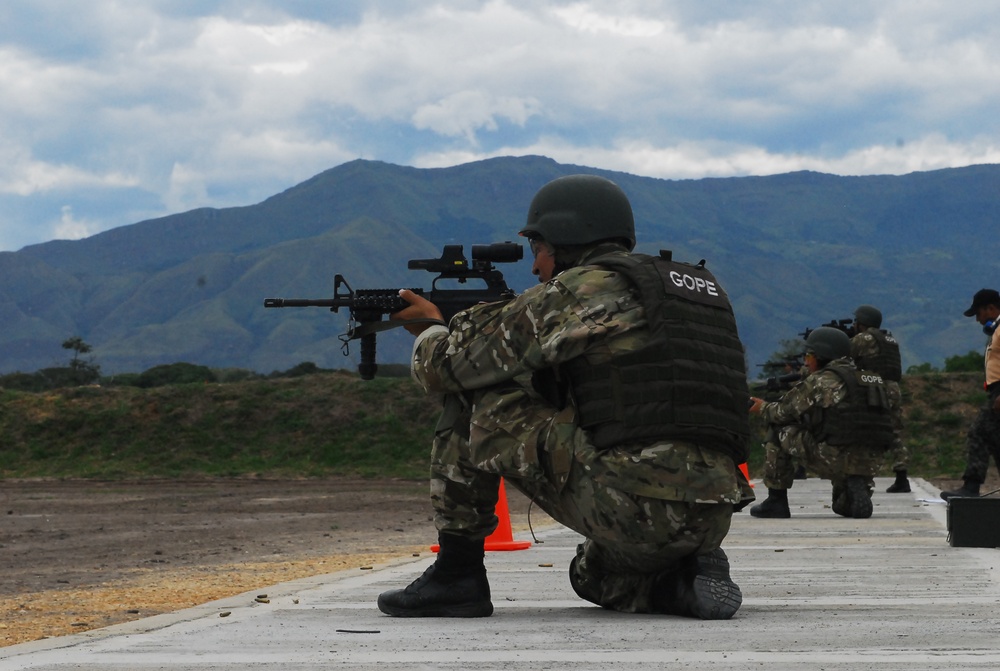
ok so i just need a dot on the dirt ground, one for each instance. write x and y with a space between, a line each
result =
78 555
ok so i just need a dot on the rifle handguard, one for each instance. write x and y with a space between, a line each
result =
355 331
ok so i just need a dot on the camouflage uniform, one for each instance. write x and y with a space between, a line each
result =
795 417
864 349
642 508
983 438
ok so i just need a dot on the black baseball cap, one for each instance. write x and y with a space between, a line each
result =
983 297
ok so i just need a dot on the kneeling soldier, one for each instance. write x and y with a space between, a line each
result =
837 422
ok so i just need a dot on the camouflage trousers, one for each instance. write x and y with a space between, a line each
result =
983 440
631 540
898 455
794 444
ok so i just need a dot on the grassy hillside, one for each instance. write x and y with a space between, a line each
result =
314 425
325 424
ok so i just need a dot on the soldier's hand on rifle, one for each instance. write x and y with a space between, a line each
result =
755 404
420 308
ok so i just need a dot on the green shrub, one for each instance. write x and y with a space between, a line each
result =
24 382
964 363
175 373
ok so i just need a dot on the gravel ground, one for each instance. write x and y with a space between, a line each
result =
79 555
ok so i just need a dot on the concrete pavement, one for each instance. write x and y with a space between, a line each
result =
820 592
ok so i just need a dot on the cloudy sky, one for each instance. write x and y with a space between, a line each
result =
115 111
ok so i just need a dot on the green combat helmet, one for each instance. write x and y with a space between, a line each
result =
869 315
580 210
828 343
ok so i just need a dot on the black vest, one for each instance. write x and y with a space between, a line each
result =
887 362
688 383
862 419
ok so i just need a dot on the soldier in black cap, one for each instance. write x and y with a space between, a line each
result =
984 434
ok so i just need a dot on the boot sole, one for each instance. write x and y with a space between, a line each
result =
861 503
782 515
715 599
861 510
470 609
716 596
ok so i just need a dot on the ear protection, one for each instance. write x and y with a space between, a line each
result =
990 327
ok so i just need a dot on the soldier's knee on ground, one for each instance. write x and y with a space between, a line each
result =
582 582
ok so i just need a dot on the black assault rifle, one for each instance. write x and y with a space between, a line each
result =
791 365
778 383
785 382
845 325
784 364
367 306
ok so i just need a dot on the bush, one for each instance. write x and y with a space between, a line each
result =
923 369
226 375
964 363
62 377
24 382
121 380
175 373
50 378
304 368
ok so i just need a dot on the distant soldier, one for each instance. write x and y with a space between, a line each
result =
984 434
874 348
836 421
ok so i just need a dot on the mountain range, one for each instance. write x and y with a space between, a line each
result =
792 250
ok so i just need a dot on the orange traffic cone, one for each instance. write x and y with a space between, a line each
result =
746 472
502 537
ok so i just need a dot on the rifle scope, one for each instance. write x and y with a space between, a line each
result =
498 252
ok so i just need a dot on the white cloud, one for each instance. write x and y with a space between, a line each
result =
220 104
23 175
584 18
464 113
70 228
697 160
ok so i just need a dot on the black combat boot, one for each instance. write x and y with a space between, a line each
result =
841 502
700 588
901 485
859 497
455 585
775 505
970 488
585 586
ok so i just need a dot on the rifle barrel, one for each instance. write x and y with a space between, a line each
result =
302 302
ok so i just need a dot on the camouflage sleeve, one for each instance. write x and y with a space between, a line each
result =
546 325
863 347
822 389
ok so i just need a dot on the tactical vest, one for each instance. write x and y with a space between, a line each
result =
688 382
887 362
862 418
